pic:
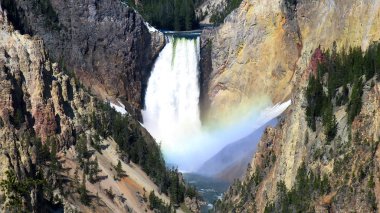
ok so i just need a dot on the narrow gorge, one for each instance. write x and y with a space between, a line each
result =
190 106
172 115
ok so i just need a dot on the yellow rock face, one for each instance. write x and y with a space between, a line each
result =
318 24
263 46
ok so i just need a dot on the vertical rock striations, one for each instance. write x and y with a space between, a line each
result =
32 108
105 43
59 145
270 48
263 45
343 173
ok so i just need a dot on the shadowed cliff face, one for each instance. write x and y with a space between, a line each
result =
43 114
264 45
105 43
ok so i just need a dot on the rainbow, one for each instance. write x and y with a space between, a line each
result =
172 114
190 151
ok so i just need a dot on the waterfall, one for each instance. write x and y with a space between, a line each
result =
171 111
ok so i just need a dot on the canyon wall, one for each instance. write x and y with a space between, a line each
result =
264 45
270 48
105 43
53 133
349 164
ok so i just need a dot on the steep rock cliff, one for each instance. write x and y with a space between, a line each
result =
59 145
271 48
344 171
106 43
263 45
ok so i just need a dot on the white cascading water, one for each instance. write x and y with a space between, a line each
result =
171 102
171 111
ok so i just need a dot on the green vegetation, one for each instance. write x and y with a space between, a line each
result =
355 103
95 142
82 190
319 104
191 191
357 168
82 151
245 190
307 187
90 167
46 157
329 122
93 170
17 186
218 17
339 81
176 188
17 189
136 146
120 173
168 14
157 204
133 145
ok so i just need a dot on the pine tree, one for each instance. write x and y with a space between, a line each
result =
152 200
119 170
355 103
93 171
55 165
82 151
82 190
315 98
329 121
96 143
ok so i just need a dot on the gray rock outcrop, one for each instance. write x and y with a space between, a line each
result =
105 43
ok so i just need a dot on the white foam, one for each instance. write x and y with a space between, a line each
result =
119 107
172 95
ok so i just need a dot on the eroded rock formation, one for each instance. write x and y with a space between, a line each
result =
271 48
47 122
264 45
105 43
